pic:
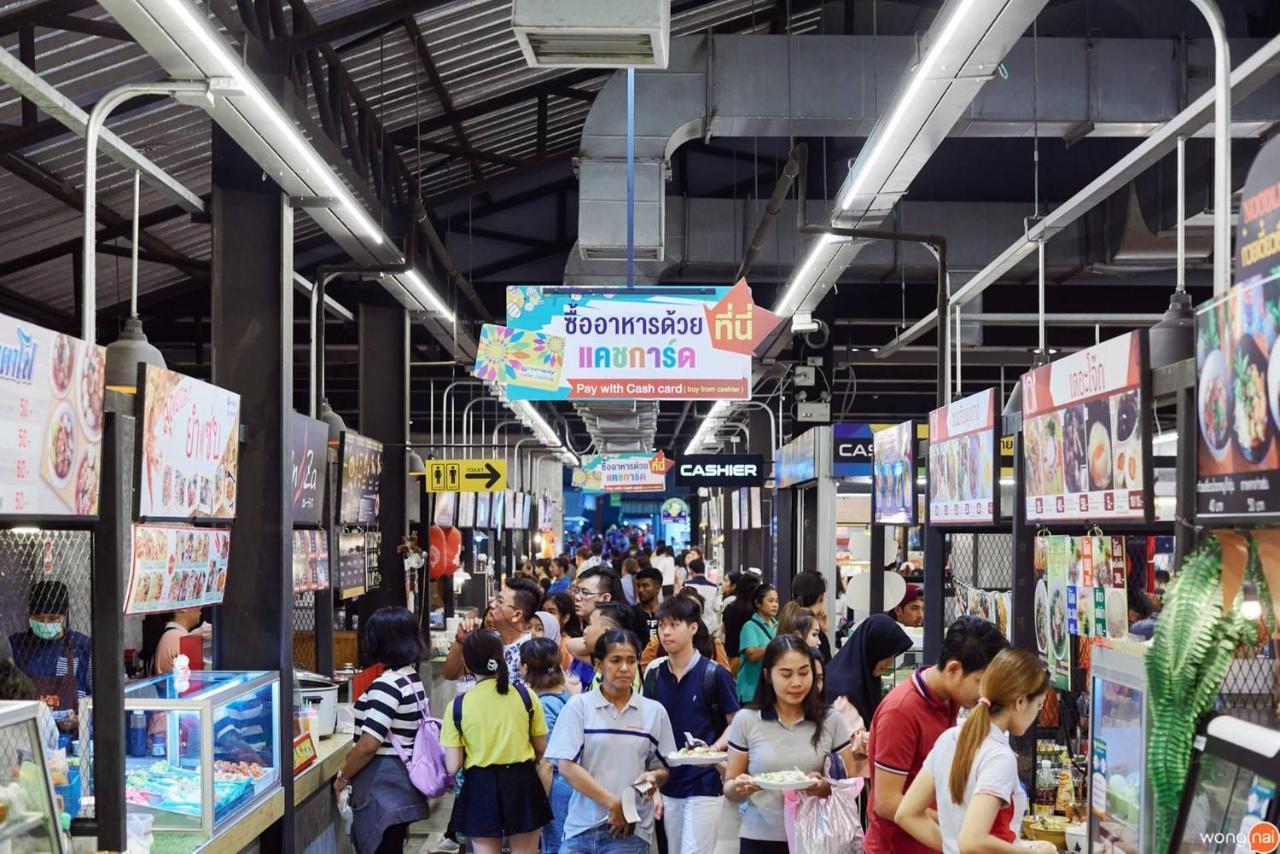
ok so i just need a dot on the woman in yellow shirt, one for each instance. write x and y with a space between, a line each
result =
496 732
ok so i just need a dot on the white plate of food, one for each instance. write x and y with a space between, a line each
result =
783 781
696 756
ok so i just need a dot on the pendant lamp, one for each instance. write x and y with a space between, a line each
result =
334 420
1173 337
417 468
132 347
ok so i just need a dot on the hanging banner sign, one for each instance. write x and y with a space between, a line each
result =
360 480
1238 362
675 511
309 465
623 473
1085 436
310 561
659 343
176 567
188 448
962 462
732 470
893 478
51 392
519 359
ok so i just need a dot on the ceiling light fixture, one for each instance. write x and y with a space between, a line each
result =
230 67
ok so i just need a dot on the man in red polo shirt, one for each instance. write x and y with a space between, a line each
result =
910 719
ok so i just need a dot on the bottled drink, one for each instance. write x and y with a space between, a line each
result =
137 740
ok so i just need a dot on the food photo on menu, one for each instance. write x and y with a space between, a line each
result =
1238 403
176 567
54 388
189 448
894 475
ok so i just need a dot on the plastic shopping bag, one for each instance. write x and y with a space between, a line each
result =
344 810
827 825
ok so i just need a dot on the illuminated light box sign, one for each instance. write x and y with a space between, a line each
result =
623 473
1085 434
798 460
1238 367
893 478
51 394
672 343
188 448
962 462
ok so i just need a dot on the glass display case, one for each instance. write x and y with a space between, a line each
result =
197 759
28 821
1120 794
1230 789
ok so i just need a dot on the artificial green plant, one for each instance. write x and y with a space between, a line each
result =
1191 651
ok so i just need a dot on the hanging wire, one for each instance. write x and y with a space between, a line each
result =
1035 112
417 122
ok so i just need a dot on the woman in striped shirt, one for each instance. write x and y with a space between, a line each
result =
383 799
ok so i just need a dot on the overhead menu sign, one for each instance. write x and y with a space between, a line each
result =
731 470
188 448
176 567
893 478
852 450
660 343
638 472
51 392
1238 393
962 462
309 465
360 483
1085 436
310 560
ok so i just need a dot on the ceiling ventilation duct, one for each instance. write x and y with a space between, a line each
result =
593 33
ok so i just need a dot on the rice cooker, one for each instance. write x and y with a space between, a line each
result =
313 691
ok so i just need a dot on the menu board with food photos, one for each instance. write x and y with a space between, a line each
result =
176 567
962 462
350 578
893 475
372 560
310 463
51 393
1085 434
310 560
482 509
188 448
360 491
1082 592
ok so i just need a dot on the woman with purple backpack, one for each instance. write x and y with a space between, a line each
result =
497 731
384 801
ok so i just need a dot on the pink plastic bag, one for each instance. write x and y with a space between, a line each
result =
824 825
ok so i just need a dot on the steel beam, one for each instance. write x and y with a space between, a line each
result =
442 91
358 22
1247 78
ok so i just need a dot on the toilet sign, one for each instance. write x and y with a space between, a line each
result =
466 475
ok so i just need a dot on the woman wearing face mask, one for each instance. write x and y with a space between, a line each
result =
853 684
58 660
972 773
789 727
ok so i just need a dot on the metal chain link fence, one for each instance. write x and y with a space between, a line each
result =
979 562
304 630
26 831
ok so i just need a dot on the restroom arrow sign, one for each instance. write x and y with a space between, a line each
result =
466 475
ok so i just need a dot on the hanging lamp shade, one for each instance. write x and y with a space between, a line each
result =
125 354
334 420
1173 337
417 468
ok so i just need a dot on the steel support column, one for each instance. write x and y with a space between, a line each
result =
384 415
252 347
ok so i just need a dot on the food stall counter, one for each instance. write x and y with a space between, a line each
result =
331 753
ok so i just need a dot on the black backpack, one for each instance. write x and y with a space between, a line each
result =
710 691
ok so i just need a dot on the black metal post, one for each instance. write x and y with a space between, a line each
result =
253 344
1024 576
1184 532
112 551
934 592
384 415
876 601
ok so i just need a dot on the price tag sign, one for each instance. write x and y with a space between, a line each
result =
304 753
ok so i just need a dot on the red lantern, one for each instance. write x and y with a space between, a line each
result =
452 550
436 553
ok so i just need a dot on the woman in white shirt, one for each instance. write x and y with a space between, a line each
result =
972 773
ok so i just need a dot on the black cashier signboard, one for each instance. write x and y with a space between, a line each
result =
720 470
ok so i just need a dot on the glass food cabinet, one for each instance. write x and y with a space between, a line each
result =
1231 787
198 759
1120 814
27 818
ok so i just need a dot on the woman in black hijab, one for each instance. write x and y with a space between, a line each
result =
854 674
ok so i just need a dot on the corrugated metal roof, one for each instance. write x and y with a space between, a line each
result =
474 53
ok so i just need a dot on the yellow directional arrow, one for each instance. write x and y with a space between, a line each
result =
466 475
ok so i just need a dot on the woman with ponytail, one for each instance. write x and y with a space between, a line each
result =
972 773
497 731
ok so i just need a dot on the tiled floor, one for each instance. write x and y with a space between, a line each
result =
424 836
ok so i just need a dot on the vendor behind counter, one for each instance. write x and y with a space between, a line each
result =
58 659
